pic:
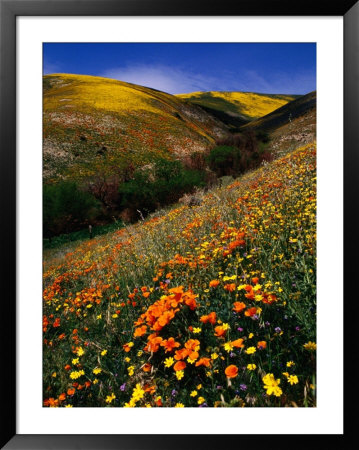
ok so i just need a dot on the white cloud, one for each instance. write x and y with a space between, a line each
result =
49 68
179 81
280 82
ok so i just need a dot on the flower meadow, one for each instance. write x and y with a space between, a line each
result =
206 306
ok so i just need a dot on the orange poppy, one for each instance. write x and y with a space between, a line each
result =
62 397
181 354
71 391
149 389
250 294
251 312
146 367
193 355
238 343
230 287
211 318
51 402
169 344
255 280
214 283
231 371
140 331
239 306
180 365
192 344
153 344
219 331
191 302
269 298
262 345
177 291
126 347
203 362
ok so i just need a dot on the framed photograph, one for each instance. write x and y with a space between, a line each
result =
173 181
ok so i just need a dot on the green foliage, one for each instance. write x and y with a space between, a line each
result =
238 153
224 160
81 235
263 136
66 208
161 184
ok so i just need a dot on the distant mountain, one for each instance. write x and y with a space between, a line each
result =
94 125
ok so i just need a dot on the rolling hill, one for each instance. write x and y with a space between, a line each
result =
291 125
284 114
94 125
242 107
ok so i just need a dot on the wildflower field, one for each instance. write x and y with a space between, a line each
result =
206 306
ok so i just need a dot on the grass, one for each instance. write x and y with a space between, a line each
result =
81 235
212 305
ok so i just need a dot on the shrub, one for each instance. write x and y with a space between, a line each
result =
224 160
161 184
66 208
235 154
263 136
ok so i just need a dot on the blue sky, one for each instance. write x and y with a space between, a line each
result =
278 68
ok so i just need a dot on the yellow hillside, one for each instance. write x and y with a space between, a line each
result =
88 92
249 105
94 123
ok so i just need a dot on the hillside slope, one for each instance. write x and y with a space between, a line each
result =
245 106
97 125
284 114
290 126
213 305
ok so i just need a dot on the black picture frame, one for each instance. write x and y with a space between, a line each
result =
9 10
